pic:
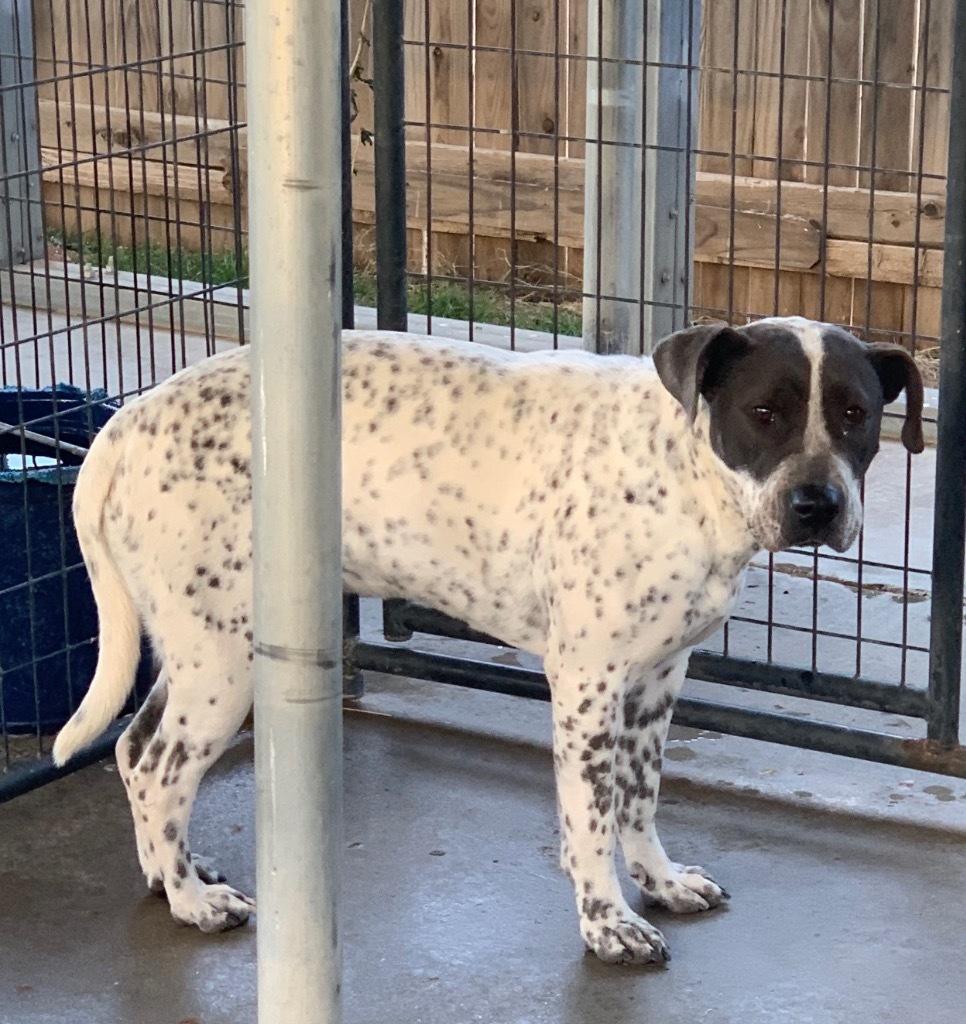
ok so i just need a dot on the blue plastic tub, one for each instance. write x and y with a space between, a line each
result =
48 620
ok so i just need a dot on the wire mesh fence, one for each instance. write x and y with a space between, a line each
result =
123 259
797 146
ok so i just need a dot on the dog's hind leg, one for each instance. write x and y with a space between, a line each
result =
129 752
194 718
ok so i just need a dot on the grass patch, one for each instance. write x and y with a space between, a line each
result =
451 300
486 304
214 269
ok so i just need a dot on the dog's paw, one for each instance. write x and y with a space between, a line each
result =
682 890
213 908
627 939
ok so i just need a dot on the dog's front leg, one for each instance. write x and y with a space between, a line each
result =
586 705
645 716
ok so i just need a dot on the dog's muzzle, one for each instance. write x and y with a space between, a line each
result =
813 513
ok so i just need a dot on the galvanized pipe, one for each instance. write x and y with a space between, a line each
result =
613 176
639 171
514 681
403 618
949 513
295 214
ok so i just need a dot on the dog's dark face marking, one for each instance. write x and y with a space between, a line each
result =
794 408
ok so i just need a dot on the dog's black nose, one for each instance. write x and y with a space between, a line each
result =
816 506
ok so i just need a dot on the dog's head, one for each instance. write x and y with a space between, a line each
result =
795 409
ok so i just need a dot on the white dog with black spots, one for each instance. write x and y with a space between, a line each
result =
585 508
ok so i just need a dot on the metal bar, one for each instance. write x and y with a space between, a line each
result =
38 772
390 163
613 175
639 172
924 755
23 236
949 513
48 442
353 683
403 618
295 210
669 169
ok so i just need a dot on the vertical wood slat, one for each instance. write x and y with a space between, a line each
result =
414 30
780 101
726 87
536 31
574 78
494 102
833 92
934 65
888 59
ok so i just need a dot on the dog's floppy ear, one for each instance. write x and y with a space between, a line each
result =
688 362
897 371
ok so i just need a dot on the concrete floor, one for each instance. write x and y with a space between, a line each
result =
455 910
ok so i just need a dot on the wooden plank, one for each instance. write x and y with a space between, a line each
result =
754 232
933 71
888 60
760 292
137 45
877 311
179 180
827 298
493 76
727 55
894 214
197 39
575 79
896 264
754 238
102 131
62 31
539 102
780 101
833 92
450 68
921 315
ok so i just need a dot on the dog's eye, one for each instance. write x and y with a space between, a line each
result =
764 414
855 415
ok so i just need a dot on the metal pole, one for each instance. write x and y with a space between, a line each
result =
949 515
295 213
21 216
352 680
390 163
670 167
639 171
613 176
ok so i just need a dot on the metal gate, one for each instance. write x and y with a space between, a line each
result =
640 188
579 173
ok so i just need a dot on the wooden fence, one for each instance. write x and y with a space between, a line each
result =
821 139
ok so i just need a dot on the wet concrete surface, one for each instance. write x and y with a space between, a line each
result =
455 910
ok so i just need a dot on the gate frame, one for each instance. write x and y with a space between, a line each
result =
938 706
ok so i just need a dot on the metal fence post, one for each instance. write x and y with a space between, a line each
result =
390 163
353 683
949 516
21 215
295 209
639 171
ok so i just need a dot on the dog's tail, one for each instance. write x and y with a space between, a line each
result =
119 623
